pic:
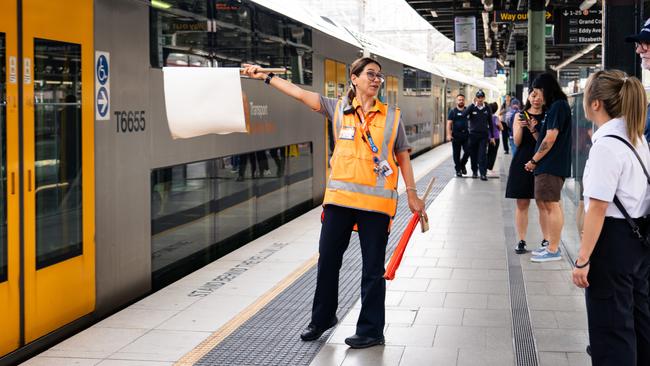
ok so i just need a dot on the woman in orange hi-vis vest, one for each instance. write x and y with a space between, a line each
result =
361 190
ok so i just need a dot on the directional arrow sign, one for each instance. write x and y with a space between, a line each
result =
102 102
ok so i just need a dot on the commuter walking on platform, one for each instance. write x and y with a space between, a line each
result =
505 132
458 133
361 190
642 48
495 135
551 163
614 258
480 131
521 183
515 106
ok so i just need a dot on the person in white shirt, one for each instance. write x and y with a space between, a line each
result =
613 262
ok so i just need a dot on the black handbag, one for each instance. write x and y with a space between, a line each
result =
642 235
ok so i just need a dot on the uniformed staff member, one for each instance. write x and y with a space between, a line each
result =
480 130
613 262
361 189
458 133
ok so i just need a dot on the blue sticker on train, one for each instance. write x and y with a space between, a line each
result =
102 70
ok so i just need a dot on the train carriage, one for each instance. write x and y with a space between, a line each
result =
101 206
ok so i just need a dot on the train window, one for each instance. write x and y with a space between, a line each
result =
243 32
3 161
203 210
280 42
57 130
179 33
424 83
234 35
410 81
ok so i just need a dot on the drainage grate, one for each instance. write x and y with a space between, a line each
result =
271 337
522 329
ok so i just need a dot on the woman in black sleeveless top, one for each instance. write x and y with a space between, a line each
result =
521 184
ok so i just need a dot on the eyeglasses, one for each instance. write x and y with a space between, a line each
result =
373 75
642 45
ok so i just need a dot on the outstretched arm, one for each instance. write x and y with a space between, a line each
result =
310 99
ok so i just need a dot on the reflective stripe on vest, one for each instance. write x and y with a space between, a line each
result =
361 188
379 190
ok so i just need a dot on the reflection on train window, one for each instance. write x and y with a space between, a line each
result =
179 33
416 82
243 32
57 129
203 210
3 161
282 42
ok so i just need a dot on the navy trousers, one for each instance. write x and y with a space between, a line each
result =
458 143
334 239
478 152
618 312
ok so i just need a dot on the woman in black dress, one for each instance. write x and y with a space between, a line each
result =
521 183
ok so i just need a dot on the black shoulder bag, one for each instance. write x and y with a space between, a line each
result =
643 237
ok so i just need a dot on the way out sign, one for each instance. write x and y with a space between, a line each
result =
102 86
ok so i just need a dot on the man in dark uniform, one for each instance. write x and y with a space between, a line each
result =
480 130
642 48
458 133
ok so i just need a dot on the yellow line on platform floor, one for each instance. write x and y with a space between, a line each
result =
211 342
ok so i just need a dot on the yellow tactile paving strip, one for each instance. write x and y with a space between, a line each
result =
213 340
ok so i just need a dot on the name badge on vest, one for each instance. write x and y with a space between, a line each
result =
347 133
384 168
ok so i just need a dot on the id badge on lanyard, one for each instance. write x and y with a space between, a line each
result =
381 167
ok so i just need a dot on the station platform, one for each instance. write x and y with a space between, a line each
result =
461 296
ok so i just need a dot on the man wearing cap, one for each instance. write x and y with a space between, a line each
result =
642 47
480 129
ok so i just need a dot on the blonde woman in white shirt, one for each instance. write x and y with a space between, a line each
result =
613 262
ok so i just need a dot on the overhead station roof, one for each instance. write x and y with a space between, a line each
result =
504 34
308 16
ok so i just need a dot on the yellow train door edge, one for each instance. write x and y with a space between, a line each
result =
10 274
61 291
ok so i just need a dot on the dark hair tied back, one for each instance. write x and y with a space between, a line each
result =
355 69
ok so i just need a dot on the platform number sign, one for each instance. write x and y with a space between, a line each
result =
102 86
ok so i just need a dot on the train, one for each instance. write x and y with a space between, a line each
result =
101 206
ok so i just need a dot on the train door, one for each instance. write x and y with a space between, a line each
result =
9 230
58 163
50 227
391 90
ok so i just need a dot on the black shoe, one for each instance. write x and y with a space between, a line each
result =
483 177
474 175
463 170
312 332
357 341
520 248
458 174
588 350
506 152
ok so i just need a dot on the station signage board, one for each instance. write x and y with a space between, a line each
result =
465 34
517 16
579 27
489 67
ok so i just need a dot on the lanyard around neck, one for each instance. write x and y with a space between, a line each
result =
366 129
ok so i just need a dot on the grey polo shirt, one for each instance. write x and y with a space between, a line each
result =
328 108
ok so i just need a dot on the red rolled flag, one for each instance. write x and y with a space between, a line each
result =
398 253
396 258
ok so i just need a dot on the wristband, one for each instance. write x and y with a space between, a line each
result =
581 266
270 76
412 189
533 161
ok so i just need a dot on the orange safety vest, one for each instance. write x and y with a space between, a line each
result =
353 182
